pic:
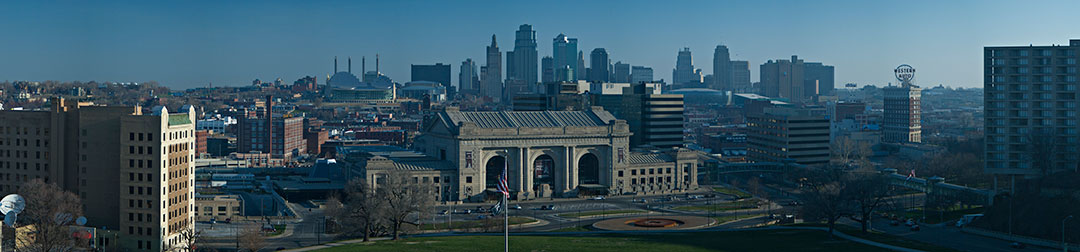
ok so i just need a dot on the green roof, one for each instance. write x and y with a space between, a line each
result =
179 119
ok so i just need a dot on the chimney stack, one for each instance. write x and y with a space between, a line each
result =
350 64
335 64
376 64
363 65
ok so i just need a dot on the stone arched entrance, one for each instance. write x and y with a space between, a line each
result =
492 170
588 167
543 169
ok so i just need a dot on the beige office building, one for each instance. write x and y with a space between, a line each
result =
133 171
781 134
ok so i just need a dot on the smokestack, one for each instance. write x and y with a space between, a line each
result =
363 65
350 64
335 64
376 64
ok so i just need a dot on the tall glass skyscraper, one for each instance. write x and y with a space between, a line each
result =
524 56
565 54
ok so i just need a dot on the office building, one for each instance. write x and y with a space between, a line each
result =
783 79
655 119
565 54
1031 108
684 73
281 136
818 79
491 74
581 65
438 73
639 74
786 134
740 77
901 115
598 70
468 81
548 66
621 73
521 63
131 170
722 69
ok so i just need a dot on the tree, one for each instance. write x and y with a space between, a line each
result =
252 239
868 191
49 211
188 240
847 152
363 209
825 194
403 199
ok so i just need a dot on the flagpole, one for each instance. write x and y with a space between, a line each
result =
506 223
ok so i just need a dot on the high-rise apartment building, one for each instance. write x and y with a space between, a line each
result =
521 63
740 76
598 70
722 77
134 172
491 74
784 134
640 74
565 54
280 136
548 66
468 81
684 72
1031 108
655 119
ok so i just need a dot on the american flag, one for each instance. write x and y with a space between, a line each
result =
502 187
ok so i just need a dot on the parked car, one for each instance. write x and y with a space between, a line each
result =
444 212
547 207
909 222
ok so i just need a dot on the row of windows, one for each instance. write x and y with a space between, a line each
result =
25 166
24 142
23 131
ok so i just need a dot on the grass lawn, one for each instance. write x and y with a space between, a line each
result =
891 239
459 225
573 229
722 219
278 229
731 191
751 240
595 213
742 204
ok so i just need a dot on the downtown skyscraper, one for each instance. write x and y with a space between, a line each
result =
521 63
722 77
491 74
565 58
598 69
468 81
684 73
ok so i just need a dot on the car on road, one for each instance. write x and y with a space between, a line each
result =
915 227
547 207
640 201
909 222
597 198
481 217
516 207
465 211
444 212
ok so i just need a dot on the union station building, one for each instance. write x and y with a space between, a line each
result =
546 153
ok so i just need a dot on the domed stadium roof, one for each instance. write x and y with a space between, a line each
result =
343 79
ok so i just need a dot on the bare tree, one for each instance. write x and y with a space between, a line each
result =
50 211
868 191
847 151
252 239
363 209
403 199
825 194
188 240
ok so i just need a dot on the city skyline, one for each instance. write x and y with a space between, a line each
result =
229 44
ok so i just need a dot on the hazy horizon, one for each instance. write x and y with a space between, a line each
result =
191 44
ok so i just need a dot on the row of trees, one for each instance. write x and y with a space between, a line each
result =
383 209
833 193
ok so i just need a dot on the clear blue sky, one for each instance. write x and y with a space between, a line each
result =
186 44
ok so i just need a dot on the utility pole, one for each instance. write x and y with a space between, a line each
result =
1064 244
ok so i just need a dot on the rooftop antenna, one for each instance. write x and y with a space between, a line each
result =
11 206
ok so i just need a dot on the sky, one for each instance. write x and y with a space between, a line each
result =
186 44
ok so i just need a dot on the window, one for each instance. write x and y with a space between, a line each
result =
468 179
620 174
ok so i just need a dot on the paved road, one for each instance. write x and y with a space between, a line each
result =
949 236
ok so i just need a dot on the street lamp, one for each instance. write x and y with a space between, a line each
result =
1064 245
